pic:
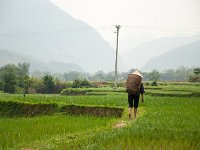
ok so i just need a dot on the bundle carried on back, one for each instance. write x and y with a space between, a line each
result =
133 82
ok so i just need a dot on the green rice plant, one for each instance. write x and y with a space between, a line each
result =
107 100
27 132
169 123
165 122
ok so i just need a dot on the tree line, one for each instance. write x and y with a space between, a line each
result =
17 78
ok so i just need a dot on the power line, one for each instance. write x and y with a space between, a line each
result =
163 29
84 29
49 32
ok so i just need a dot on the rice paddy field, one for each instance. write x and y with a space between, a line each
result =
169 118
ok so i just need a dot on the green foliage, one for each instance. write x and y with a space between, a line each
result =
37 86
8 75
197 71
91 91
38 132
73 91
15 76
59 86
193 78
81 83
23 69
23 76
72 75
179 74
147 83
49 84
1 85
166 121
154 75
154 83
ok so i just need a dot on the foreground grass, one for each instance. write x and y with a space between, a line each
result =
27 132
169 123
108 100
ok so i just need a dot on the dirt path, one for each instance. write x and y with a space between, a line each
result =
120 124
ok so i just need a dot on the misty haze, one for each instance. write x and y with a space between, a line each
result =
100 74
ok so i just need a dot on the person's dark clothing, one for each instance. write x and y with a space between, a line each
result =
135 98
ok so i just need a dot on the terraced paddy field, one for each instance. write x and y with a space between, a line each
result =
169 118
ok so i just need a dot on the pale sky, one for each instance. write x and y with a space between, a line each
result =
157 17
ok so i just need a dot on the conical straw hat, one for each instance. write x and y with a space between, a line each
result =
137 73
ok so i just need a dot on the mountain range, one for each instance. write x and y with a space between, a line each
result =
8 57
187 56
38 32
39 29
140 56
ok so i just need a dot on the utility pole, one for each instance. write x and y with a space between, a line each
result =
118 27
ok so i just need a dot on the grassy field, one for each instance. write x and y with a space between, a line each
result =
168 120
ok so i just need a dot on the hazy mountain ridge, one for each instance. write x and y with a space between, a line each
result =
140 55
134 40
187 56
8 57
38 28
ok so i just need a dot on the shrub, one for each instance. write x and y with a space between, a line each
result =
147 83
49 83
73 91
59 86
1 85
194 78
154 83
81 83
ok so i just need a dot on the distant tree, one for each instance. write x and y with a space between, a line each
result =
110 76
8 76
60 85
85 83
23 69
197 71
49 83
72 75
1 85
23 76
81 83
181 73
37 74
154 76
168 75
99 76
145 76
196 77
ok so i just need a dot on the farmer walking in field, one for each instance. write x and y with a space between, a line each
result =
134 88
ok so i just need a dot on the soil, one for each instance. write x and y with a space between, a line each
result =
120 124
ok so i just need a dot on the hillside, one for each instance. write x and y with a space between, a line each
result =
187 56
39 29
8 57
140 55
